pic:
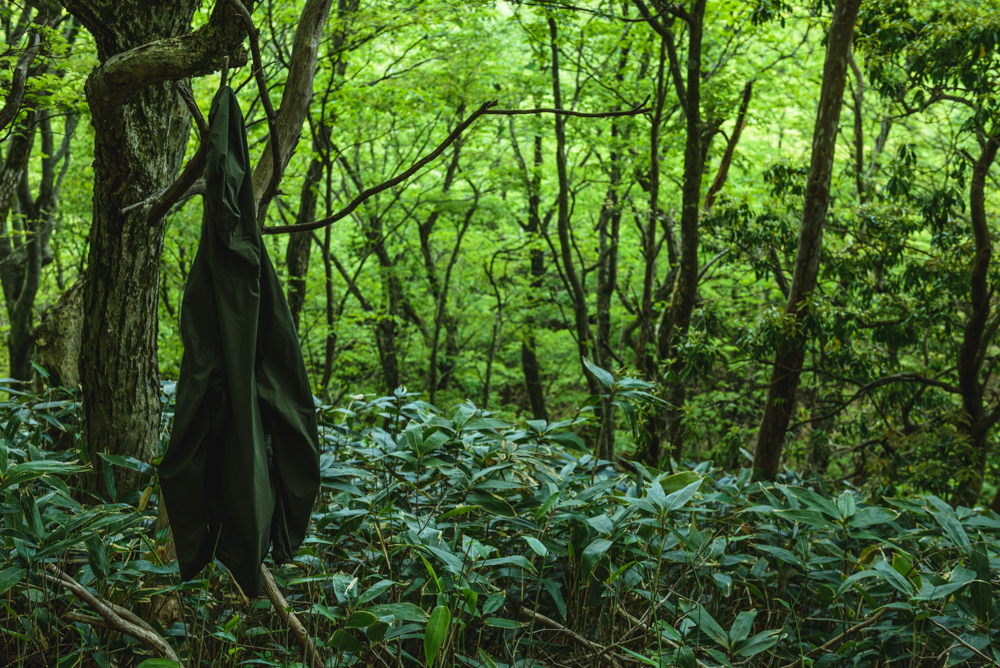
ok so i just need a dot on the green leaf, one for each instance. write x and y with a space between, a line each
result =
742 626
406 612
897 581
813 518
981 591
10 577
759 643
870 516
710 627
158 663
536 546
361 620
960 577
375 591
492 503
677 481
98 557
437 630
782 554
680 498
952 529
603 377
846 505
849 582
592 554
343 641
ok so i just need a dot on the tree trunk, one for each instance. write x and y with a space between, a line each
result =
577 294
530 366
972 352
141 129
300 243
787 366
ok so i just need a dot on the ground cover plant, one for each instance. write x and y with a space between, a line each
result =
455 538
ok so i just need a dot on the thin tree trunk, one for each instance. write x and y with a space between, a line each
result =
787 366
676 318
972 350
578 296
300 243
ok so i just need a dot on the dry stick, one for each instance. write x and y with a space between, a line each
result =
485 109
603 653
265 99
287 616
839 639
112 618
664 639
964 644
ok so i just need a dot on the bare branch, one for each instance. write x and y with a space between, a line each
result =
484 109
17 85
192 170
265 99
298 630
126 624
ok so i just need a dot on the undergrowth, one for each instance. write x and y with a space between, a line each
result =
459 539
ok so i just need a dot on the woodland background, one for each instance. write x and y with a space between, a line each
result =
762 239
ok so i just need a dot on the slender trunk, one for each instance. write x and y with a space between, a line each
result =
787 366
649 246
676 318
331 339
300 243
972 350
439 372
578 296
529 358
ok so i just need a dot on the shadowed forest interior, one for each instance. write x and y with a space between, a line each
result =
639 332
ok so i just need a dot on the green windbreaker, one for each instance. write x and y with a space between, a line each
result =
241 471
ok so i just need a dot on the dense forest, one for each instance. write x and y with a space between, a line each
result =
639 332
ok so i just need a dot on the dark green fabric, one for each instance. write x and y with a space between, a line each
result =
241 471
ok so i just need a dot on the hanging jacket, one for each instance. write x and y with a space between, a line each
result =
241 471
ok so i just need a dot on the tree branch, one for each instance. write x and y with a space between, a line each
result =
287 616
119 77
194 168
17 85
126 624
484 109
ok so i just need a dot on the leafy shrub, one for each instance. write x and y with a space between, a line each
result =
465 540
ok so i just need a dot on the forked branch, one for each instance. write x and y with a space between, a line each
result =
487 108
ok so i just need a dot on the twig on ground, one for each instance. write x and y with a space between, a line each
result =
115 617
603 653
284 610
839 639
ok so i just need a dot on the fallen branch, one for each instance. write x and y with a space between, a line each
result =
963 643
603 653
839 639
645 627
485 109
115 617
298 630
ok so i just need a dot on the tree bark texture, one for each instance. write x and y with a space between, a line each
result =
141 129
787 365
